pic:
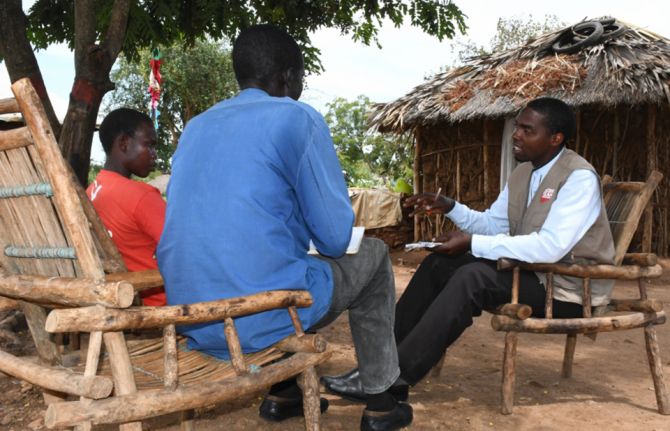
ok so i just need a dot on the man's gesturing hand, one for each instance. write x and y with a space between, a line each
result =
429 203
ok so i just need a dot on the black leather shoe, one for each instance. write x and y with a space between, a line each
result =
399 417
277 409
350 387
347 386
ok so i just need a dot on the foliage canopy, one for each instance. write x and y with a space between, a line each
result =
164 22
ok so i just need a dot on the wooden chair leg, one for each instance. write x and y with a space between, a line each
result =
508 375
122 371
437 369
569 355
310 399
187 420
656 367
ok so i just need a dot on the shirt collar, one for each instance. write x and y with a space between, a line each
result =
544 169
252 93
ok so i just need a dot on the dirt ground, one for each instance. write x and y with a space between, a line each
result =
611 387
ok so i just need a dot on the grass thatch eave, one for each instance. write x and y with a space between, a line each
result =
633 68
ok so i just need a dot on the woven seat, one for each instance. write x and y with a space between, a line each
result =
147 359
58 262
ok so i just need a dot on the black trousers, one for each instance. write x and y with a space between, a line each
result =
443 296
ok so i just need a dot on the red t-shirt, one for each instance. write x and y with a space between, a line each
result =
133 213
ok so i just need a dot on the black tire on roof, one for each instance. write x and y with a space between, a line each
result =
579 36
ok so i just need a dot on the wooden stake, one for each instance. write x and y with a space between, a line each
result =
311 401
297 324
187 418
170 362
568 355
418 186
586 297
122 372
515 286
549 298
234 347
656 367
55 379
36 318
508 375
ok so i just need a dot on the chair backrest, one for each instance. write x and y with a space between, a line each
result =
625 202
45 225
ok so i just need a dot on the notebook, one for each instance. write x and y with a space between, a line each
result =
354 243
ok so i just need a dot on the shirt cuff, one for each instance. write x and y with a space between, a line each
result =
458 213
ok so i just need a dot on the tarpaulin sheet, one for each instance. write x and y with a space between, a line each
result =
375 208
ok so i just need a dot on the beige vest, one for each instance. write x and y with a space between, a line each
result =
596 246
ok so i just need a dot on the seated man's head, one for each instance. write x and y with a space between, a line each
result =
542 129
268 58
129 140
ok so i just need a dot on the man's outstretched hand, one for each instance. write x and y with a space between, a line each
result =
453 243
429 203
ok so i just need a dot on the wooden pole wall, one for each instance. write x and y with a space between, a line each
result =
418 187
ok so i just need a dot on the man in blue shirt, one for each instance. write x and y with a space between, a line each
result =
253 180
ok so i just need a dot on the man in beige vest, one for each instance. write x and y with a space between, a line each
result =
551 210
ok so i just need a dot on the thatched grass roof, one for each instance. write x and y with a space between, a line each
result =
631 68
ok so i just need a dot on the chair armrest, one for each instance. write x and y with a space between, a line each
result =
641 259
67 291
139 279
89 319
623 272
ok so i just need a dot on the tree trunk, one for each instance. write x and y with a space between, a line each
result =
93 62
19 56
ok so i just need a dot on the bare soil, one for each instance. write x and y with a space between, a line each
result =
611 387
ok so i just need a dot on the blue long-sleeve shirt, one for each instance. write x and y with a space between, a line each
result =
253 179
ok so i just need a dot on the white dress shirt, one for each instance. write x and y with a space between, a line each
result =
574 211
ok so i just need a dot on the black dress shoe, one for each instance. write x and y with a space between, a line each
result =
277 409
350 387
399 417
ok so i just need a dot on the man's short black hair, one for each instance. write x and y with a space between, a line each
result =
262 52
558 116
122 121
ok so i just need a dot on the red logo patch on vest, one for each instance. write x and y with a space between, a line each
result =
547 194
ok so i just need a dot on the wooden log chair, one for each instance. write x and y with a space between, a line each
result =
625 203
58 263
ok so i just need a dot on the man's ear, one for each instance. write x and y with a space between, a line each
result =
557 139
121 142
286 77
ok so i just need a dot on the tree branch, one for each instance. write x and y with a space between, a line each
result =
116 31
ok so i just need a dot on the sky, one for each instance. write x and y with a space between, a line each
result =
407 56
